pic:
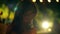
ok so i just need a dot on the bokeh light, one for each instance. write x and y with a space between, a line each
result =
15 8
5 12
34 1
45 24
11 17
41 0
49 1
49 30
57 0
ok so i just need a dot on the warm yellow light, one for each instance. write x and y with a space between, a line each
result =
3 5
0 10
5 15
57 0
33 0
45 24
41 0
49 1
11 16
49 30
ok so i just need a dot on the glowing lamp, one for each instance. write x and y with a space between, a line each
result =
45 24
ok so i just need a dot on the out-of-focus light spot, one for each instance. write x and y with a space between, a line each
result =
11 16
45 24
41 0
3 5
49 1
5 10
33 0
57 0
5 15
49 30
1 12
15 8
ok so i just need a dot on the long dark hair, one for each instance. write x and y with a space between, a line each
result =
18 20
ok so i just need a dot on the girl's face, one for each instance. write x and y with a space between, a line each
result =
28 16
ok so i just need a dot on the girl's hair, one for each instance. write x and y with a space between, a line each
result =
26 6
29 6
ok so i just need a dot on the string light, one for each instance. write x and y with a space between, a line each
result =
49 1
57 0
34 1
41 0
